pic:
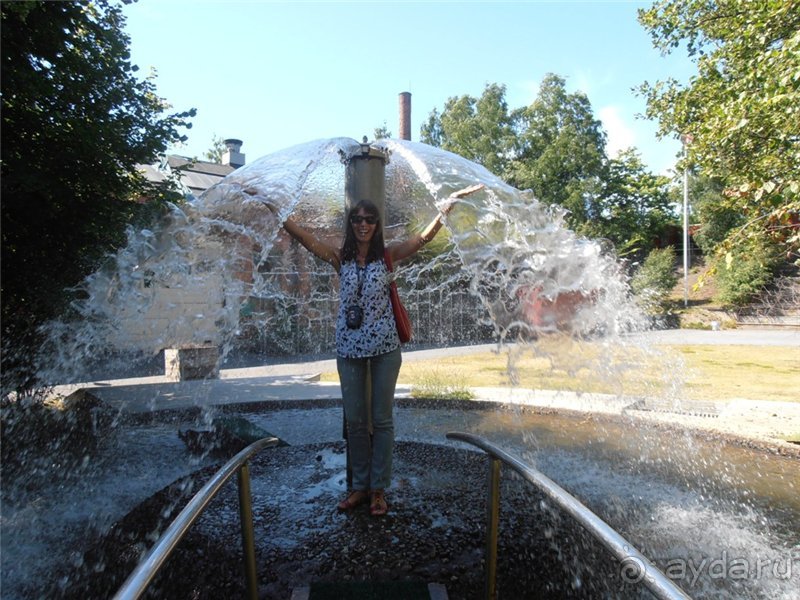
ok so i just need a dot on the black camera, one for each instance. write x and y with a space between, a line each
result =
353 316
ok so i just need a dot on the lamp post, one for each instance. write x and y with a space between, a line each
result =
686 139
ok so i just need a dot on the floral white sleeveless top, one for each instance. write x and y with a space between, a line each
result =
378 332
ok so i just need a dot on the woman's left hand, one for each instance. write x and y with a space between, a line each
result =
467 190
447 205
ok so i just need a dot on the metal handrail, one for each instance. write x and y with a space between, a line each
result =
637 567
137 582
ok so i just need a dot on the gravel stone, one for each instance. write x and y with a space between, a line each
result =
434 533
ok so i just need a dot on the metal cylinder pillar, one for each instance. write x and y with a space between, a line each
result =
365 178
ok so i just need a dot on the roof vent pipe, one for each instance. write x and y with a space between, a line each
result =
232 157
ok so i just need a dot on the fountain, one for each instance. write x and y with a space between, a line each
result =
218 272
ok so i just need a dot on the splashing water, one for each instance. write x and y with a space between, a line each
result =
219 270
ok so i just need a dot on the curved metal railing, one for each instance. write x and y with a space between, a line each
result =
637 567
148 567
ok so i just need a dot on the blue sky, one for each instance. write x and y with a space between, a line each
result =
275 74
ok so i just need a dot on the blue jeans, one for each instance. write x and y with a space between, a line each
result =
371 465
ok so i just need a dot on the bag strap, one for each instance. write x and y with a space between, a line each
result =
387 258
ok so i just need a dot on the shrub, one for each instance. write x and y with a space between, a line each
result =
654 280
744 272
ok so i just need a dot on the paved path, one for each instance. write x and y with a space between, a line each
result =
787 338
731 337
299 381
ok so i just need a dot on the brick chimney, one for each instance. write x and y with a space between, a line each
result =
232 157
405 115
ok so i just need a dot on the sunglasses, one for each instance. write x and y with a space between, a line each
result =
357 219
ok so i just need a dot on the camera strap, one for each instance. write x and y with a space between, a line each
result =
361 273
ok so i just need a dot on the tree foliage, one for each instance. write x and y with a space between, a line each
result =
741 111
714 215
633 207
76 121
560 149
479 129
217 150
556 148
382 132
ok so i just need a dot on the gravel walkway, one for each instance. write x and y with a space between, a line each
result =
433 534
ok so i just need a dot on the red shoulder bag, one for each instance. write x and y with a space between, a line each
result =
400 314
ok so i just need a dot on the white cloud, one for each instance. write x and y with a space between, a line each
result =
620 135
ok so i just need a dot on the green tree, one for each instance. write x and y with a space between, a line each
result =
633 207
430 132
710 210
556 148
382 132
217 150
76 121
479 129
560 150
742 108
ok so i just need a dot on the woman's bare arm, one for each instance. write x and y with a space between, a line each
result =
413 244
312 243
308 240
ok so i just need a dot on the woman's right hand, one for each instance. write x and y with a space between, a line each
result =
256 195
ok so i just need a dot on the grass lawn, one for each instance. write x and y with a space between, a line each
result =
753 372
695 372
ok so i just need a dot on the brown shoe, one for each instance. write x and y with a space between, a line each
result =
377 503
354 498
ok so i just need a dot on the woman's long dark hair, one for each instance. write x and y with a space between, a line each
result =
349 246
